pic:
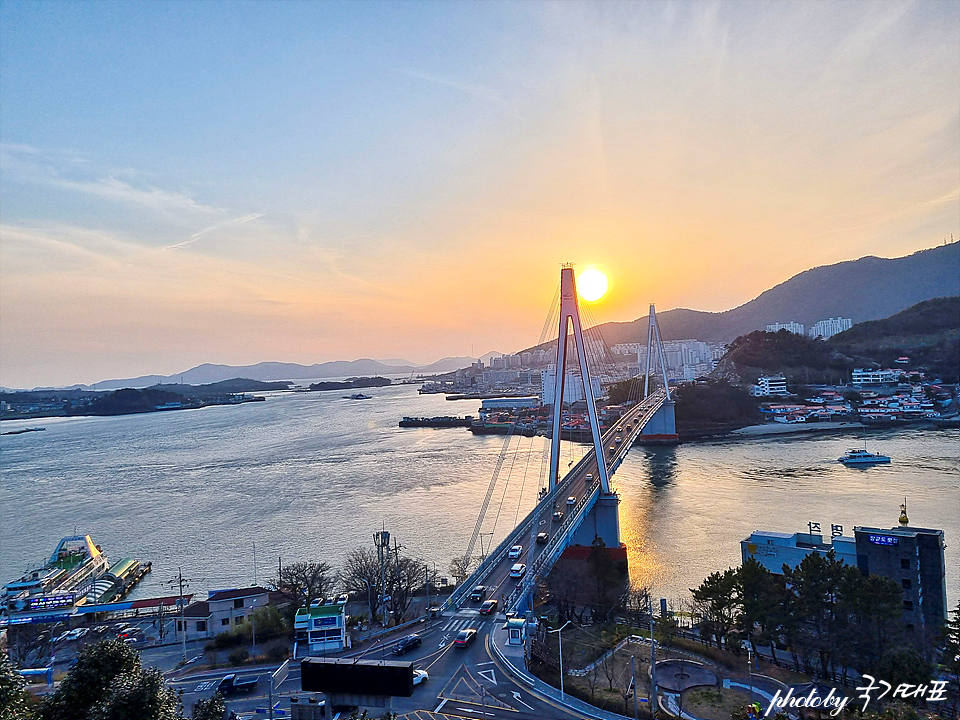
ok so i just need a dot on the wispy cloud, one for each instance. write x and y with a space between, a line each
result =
480 91
197 235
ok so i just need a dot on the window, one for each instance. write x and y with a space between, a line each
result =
905 564
905 583
908 604
237 604
225 621
201 625
238 619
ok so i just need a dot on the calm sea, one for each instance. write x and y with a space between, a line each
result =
312 475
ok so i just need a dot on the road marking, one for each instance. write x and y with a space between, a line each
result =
442 703
488 675
489 662
516 696
202 687
475 712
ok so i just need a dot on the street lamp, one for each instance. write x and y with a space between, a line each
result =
369 605
559 632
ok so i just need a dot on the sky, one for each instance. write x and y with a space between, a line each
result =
236 182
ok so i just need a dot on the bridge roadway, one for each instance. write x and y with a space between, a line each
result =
494 572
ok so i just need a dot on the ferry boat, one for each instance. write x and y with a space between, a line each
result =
856 456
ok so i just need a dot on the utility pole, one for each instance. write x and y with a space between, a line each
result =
633 682
183 622
382 541
653 670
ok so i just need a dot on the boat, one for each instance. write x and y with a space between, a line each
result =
856 456
357 396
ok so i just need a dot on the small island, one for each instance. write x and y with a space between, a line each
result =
350 383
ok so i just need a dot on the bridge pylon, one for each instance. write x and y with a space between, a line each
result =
570 314
661 429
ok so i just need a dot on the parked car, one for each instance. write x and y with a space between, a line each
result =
343 599
542 538
465 637
488 607
518 570
408 643
515 552
478 594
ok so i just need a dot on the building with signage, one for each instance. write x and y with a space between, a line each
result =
914 558
321 628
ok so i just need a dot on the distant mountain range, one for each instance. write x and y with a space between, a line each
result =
870 288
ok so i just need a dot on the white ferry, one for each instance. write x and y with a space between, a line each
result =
862 457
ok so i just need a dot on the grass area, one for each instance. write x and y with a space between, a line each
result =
710 703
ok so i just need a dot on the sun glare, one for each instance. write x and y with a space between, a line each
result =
592 284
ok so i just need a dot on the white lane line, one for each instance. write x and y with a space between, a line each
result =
442 703
491 662
475 712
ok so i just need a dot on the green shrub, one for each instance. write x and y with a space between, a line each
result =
238 656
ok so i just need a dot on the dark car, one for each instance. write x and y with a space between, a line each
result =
478 594
465 637
488 607
558 516
408 643
542 538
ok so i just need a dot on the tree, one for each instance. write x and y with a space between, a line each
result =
461 567
717 604
305 580
90 680
213 709
951 652
361 575
15 702
29 643
139 695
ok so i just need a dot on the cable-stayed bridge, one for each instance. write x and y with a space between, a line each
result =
581 506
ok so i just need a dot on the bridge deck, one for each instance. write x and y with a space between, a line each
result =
494 571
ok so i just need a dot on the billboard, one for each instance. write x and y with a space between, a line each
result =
361 677
42 603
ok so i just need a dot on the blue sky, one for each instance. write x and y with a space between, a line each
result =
185 182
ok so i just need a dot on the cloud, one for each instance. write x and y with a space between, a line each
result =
197 235
480 91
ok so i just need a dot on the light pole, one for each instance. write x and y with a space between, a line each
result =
369 605
559 632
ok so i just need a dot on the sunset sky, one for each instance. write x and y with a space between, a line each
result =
235 182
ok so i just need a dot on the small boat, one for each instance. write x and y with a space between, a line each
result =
357 396
862 457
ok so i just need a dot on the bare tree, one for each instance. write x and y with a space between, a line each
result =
461 567
305 580
610 669
592 676
361 574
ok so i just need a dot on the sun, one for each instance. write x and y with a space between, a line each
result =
592 284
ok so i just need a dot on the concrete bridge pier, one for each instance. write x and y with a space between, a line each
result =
661 429
602 521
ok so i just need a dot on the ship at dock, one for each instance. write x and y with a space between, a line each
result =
77 573
441 421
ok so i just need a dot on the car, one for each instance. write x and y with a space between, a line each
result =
478 594
488 607
465 637
618 439
131 640
572 500
408 643
62 637
515 552
542 538
518 570
589 477
558 516
613 448
343 599
420 676
329 601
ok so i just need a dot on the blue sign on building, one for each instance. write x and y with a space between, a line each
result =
883 540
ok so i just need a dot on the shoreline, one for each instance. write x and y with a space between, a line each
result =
778 429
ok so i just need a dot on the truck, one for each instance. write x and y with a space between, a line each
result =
233 685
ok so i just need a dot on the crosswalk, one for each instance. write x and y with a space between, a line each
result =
456 624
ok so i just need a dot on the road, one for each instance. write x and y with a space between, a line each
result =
468 682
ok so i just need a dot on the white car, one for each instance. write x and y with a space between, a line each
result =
420 676
515 552
571 500
342 600
518 570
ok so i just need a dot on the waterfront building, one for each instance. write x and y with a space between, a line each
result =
792 326
321 628
769 385
773 550
511 403
914 558
867 376
831 326
222 610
